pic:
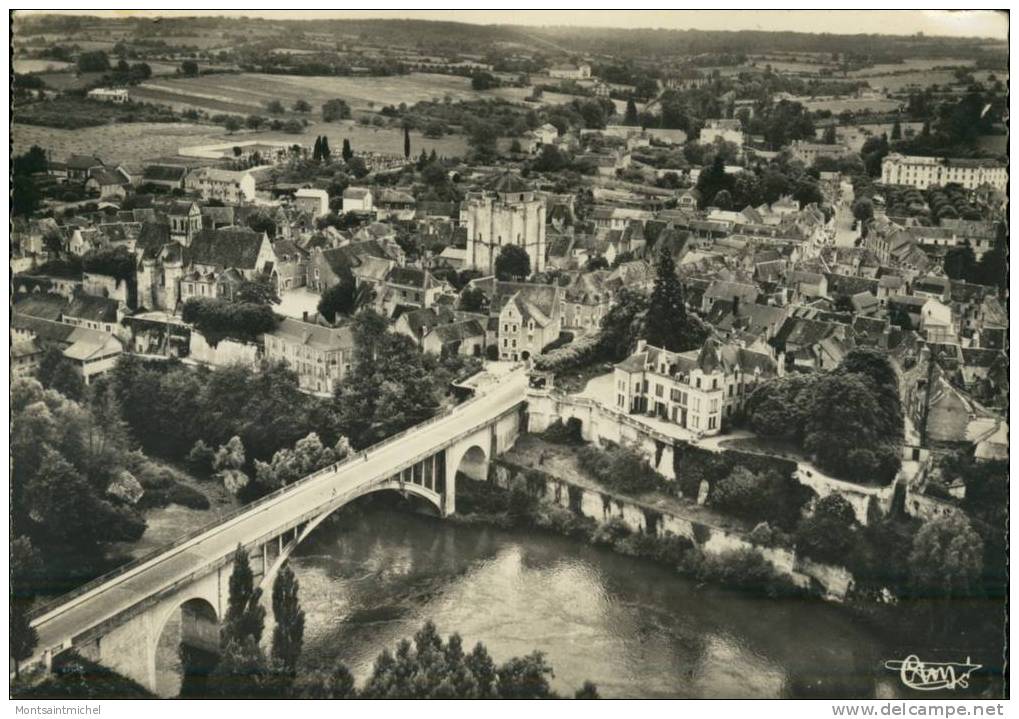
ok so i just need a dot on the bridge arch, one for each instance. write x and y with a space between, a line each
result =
473 462
186 645
391 485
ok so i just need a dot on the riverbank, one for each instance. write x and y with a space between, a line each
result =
638 629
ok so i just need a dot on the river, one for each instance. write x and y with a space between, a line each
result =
634 628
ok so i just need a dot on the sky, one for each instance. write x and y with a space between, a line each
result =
982 23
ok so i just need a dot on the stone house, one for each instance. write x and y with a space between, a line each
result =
699 390
320 356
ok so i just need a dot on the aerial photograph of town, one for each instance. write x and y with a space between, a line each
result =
465 354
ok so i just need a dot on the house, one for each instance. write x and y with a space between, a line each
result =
466 337
811 343
219 261
291 268
570 72
313 201
97 313
689 199
936 322
723 290
586 302
526 316
80 167
411 287
721 130
91 352
699 390
26 354
167 177
393 204
110 184
320 356
230 186
366 261
416 323
809 152
357 199
118 95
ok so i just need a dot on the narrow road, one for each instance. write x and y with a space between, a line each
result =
61 624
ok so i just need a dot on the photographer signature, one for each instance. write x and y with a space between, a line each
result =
932 676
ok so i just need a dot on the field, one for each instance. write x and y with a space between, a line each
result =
68 80
247 93
24 65
134 143
913 63
126 143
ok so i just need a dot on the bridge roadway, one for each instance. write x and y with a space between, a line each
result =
58 626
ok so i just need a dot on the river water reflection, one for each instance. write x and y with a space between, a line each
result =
634 628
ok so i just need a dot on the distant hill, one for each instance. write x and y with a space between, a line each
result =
452 37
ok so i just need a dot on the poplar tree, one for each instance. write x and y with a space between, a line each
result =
667 325
245 616
406 141
288 634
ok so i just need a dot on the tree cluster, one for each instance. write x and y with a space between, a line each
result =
218 319
849 419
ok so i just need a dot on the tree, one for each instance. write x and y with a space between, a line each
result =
23 636
483 81
960 262
326 152
245 616
829 137
232 124
588 691
333 110
288 633
472 299
189 68
316 153
896 130
525 677
243 672
346 153
95 61
863 210
406 141
828 534
343 298
25 196
513 262
631 117
253 122
482 137
58 373
388 389
259 291
624 324
301 105
667 325
723 200
947 557
339 684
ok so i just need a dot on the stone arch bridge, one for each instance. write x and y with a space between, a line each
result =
181 591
